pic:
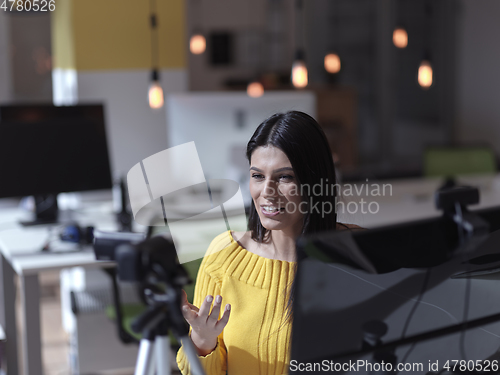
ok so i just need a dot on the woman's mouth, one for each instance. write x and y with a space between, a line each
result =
271 210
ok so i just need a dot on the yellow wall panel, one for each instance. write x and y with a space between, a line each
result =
63 53
115 34
171 31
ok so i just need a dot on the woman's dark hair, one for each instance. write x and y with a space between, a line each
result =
303 141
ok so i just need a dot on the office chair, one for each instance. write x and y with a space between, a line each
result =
124 314
449 162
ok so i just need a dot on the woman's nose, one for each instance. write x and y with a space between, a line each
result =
269 189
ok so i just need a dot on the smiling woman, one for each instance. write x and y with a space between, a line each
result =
254 271
274 192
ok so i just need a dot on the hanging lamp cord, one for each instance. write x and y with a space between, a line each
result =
299 26
154 35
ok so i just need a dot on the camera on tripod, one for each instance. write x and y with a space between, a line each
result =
138 259
153 264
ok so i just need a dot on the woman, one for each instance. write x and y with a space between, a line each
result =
249 275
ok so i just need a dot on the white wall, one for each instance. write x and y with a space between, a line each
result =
221 123
30 43
135 131
478 75
5 77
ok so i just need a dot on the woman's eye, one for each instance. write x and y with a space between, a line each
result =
286 178
257 176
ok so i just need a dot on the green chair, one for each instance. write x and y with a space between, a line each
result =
453 161
128 312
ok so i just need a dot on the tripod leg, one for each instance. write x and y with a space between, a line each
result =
152 368
163 353
145 358
194 362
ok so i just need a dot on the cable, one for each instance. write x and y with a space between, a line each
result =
414 308
418 301
451 316
465 317
154 35
463 237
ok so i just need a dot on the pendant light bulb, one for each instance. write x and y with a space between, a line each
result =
255 89
299 74
400 37
155 92
425 74
299 71
197 44
332 63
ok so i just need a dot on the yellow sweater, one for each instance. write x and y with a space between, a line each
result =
256 340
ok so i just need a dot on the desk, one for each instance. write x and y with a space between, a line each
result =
20 255
406 199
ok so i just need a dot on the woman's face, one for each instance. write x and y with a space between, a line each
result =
275 190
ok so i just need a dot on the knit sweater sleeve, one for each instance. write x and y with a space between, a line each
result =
207 283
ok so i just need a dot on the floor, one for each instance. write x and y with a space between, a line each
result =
55 341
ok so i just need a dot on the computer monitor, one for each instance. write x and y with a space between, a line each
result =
46 150
410 278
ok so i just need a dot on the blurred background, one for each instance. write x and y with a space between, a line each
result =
379 117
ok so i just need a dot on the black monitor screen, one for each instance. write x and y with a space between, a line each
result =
46 149
420 285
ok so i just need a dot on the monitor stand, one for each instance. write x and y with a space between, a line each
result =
46 210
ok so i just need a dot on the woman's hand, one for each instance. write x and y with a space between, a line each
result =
206 325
